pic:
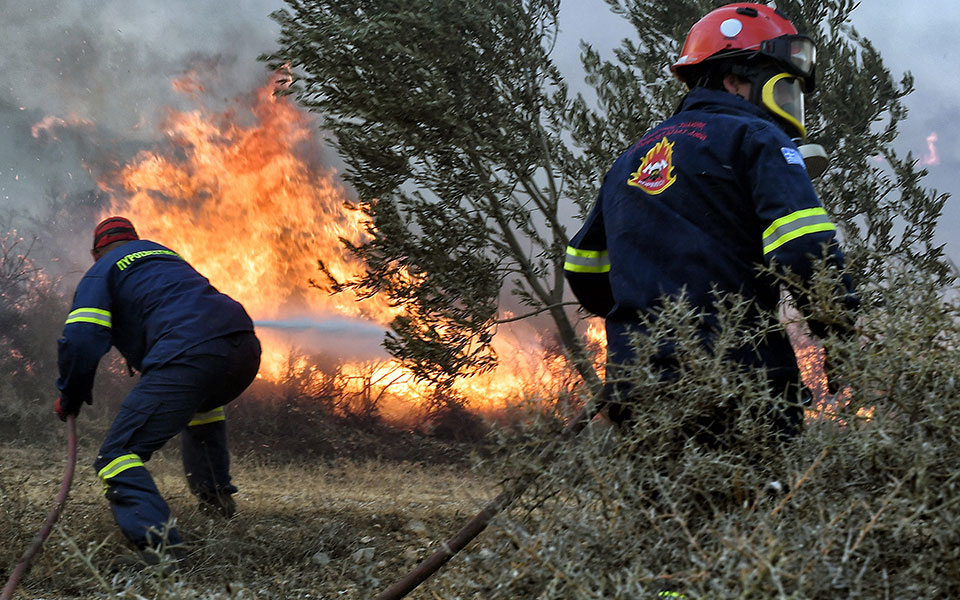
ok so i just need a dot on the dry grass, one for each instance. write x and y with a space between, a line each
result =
336 529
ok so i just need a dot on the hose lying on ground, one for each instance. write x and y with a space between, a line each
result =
44 532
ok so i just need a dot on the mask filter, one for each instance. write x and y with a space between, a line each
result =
815 158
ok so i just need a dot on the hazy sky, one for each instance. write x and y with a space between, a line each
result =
106 66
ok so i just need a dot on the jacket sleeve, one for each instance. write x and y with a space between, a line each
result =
587 264
86 338
797 231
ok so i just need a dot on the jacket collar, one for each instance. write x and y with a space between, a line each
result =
721 101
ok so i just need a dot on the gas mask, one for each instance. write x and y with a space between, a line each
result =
781 94
777 92
786 69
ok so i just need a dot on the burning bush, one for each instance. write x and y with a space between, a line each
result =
33 306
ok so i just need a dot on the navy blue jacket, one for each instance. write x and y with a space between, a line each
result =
150 304
699 203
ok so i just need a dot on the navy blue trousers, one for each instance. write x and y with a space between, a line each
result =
184 395
711 429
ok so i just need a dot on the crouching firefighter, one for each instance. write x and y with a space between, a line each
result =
195 349
707 197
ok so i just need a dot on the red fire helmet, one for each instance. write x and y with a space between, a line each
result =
748 28
113 229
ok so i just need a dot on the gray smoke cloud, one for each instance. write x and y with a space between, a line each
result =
98 78
86 84
112 62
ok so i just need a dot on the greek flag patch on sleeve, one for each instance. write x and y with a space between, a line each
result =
793 156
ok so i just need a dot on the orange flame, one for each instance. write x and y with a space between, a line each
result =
243 206
826 406
189 83
244 196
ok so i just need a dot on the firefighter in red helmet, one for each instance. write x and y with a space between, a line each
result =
700 203
760 46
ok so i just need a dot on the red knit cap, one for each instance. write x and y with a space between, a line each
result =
114 229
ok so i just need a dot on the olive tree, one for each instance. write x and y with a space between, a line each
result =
466 149
466 145
450 117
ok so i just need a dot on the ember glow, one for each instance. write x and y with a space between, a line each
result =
49 125
825 406
244 196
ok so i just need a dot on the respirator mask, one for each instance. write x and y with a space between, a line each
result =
778 86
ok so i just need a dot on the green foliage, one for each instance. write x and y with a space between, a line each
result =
450 120
860 505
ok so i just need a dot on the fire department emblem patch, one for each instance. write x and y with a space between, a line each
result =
655 173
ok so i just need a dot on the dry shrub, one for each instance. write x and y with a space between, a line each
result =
863 504
314 409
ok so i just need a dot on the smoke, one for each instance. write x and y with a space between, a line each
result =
87 84
110 66
112 62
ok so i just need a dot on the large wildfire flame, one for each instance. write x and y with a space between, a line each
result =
244 196
248 206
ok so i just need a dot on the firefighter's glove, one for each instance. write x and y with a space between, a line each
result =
65 408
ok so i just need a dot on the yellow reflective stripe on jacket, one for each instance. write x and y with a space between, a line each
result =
119 465
586 261
794 225
203 418
97 316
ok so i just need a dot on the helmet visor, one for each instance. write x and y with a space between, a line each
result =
797 53
783 96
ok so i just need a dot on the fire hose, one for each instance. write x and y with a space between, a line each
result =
44 532
478 523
